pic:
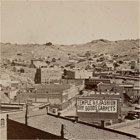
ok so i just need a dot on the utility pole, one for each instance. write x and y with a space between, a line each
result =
19 97
26 115
62 131
35 95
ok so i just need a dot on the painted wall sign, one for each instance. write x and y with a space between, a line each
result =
97 107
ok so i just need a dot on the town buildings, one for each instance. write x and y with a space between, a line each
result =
64 127
77 74
105 101
8 88
92 83
48 75
38 63
3 126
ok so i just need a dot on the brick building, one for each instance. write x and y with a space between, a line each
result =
48 75
78 74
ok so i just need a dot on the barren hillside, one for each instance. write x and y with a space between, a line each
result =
125 49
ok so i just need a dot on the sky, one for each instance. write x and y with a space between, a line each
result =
68 22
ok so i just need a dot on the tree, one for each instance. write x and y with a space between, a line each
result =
87 54
53 60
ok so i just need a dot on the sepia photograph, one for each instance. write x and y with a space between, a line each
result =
69 69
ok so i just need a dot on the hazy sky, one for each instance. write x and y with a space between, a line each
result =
68 22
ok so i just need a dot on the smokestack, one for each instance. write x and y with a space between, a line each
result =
76 118
59 113
47 109
102 123
37 79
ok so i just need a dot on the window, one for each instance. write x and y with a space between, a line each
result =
2 122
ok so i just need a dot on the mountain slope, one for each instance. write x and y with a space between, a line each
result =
126 49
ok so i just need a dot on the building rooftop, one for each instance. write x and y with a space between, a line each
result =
131 127
126 85
4 98
73 128
90 93
51 88
39 64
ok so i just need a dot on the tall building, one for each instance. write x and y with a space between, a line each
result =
47 75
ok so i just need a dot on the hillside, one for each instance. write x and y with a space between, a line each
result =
125 49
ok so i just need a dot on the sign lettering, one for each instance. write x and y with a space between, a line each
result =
97 105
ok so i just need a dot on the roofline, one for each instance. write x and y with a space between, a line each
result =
92 125
88 124
58 137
